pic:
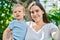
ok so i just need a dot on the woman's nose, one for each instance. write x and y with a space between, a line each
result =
35 13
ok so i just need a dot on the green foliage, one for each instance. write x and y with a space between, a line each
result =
54 16
5 15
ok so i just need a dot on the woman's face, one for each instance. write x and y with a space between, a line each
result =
36 13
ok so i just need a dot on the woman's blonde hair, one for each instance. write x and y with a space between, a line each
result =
33 3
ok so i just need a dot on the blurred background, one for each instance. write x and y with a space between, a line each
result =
52 8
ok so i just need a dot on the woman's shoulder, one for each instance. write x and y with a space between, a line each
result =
29 22
51 24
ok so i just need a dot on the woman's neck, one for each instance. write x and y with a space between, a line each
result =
38 25
40 22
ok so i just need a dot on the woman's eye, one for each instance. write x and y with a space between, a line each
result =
31 11
37 10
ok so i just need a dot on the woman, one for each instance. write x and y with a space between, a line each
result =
39 28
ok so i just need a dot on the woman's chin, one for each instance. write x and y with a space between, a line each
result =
36 20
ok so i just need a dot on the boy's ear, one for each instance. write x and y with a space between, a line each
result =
24 13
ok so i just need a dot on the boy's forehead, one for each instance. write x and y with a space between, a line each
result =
18 8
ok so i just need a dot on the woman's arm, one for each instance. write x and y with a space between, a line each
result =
54 31
55 35
6 33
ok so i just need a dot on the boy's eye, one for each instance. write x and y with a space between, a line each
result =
15 12
19 11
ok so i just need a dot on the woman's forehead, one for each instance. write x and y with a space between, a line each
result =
34 7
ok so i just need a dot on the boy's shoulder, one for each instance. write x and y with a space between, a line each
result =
13 21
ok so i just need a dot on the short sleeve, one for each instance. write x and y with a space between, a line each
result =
11 25
53 28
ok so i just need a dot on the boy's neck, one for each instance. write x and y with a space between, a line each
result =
20 20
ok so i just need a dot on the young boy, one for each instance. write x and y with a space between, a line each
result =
17 27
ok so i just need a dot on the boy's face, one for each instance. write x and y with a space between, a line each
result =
18 13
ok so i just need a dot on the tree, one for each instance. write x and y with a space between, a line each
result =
5 15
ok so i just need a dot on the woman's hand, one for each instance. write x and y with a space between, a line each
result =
55 35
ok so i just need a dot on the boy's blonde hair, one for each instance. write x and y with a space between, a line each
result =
18 5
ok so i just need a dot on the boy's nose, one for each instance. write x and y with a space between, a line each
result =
17 12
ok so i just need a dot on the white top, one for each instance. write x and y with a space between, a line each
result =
43 34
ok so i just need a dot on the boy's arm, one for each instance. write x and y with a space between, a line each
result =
6 33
